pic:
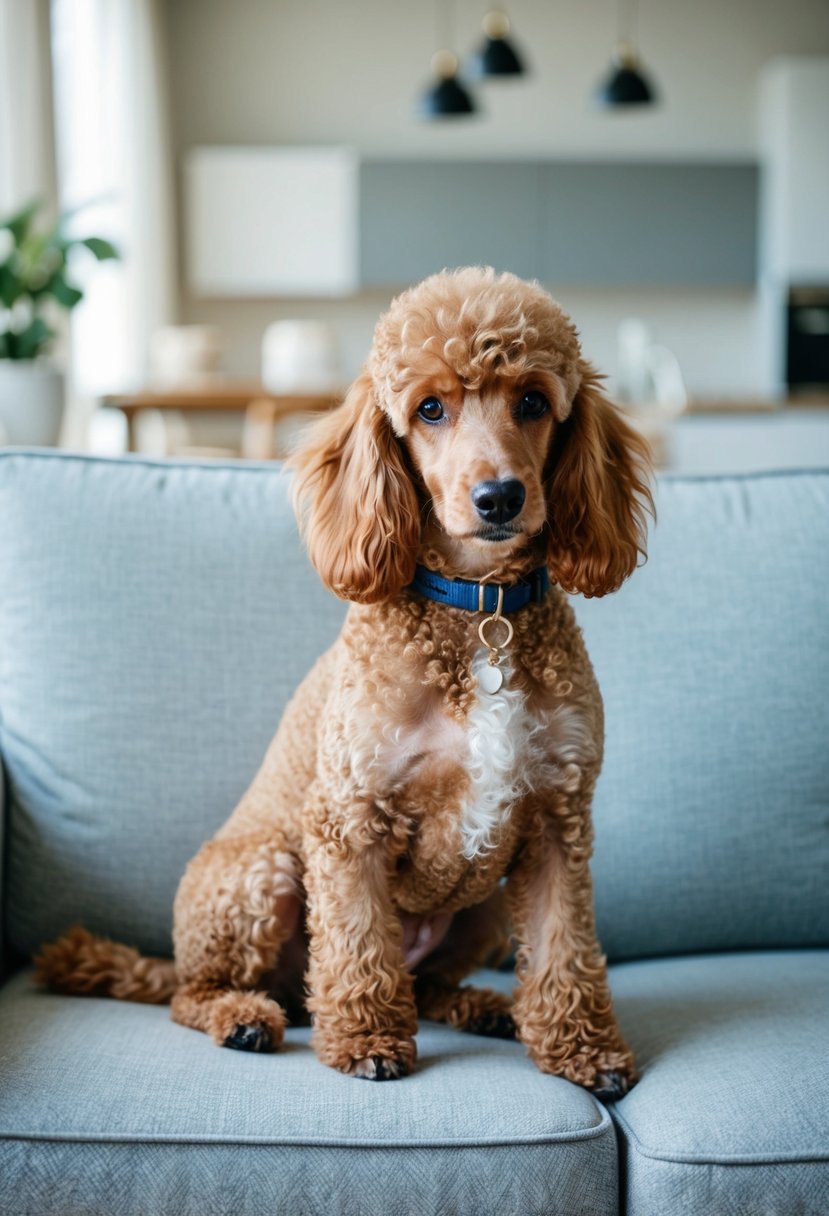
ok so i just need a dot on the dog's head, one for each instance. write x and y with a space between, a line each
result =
478 436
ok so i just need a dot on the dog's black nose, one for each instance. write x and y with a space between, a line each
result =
497 502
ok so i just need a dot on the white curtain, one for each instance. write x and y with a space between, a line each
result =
27 154
115 166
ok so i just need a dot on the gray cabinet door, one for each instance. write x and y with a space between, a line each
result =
417 217
568 223
650 224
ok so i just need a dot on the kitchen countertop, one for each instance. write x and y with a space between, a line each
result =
742 441
758 405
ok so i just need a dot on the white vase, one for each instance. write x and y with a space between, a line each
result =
184 356
31 403
301 357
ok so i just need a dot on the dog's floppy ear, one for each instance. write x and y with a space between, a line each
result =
597 495
355 502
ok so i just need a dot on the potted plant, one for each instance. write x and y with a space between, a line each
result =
33 288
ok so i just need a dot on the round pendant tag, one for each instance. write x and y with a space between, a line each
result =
490 678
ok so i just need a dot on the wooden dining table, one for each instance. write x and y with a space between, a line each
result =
261 408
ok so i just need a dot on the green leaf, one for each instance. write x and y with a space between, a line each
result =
30 341
35 269
11 285
102 249
9 344
19 224
62 291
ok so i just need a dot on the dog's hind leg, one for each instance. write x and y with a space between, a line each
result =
477 936
238 903
475 1010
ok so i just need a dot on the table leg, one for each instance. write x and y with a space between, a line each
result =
130 416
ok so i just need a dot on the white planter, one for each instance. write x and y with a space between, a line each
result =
31 403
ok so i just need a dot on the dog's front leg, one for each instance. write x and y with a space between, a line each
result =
563 1010
361 995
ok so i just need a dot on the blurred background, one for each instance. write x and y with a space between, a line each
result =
229 192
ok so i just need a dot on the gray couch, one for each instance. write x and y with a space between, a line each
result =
155 616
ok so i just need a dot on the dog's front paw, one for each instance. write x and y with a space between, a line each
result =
615 1073
607 1072
611 1086
379 1068
371 1057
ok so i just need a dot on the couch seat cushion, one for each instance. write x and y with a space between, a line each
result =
110 1108
731 1115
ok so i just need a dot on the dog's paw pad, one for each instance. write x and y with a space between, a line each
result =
249 1038
379 1068
495 1024
610 1086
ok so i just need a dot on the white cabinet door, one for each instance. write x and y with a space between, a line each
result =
795 134
271 221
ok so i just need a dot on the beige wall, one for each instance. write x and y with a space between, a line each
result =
347 71
318 71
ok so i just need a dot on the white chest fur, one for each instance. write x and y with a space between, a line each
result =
499 733
506 750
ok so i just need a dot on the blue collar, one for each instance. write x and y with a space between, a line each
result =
457 593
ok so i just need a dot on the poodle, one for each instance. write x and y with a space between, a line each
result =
426 798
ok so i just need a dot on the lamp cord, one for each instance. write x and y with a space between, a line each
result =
445 25
626 24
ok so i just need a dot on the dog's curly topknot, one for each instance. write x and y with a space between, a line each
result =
478 323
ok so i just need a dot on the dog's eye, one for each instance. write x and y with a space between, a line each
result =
533 405
430 410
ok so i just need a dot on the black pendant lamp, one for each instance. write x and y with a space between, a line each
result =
626 84
446 97
497 55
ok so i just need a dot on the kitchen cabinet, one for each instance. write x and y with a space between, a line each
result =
417 217
795 137
271 221
570 223
319 222
650 224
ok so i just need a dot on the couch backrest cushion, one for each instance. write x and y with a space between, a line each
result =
712 811
155 617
